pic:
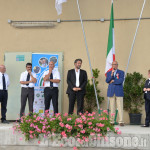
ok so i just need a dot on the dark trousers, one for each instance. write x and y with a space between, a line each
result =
51 94
3 100
147 110
26 93
80 101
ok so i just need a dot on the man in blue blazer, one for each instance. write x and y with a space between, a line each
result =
115 93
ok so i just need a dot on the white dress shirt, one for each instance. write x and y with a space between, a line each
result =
77 77
6 80
56 75
115 73
23 77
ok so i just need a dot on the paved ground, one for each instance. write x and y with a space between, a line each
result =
138 135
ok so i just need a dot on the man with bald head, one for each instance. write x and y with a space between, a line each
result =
4 83
115 79
51 81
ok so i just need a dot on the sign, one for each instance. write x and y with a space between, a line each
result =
40 64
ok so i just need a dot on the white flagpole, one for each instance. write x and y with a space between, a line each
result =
135 38
88 56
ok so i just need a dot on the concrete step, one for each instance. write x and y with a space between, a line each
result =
132 137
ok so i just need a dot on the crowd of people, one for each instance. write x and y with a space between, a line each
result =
76 90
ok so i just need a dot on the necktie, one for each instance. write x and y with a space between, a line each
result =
28 78
51 77
4 83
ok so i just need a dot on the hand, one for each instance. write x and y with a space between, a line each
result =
29 71
75 89
78 89
148 89
31 81
111 81
50 70
112 73
144 89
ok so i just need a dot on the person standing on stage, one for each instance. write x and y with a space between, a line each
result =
4 83
147 100
27 81
77 80
115 93
51 81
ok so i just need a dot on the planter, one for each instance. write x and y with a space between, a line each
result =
135 119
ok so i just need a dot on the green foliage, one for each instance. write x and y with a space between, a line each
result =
90 99
133 92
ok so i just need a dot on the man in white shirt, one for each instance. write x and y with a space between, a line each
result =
4 83
27 81
76 80
51 81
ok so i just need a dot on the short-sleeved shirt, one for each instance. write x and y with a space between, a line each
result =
23 77
7 82
56 75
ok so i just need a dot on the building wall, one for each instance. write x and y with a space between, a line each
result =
67 37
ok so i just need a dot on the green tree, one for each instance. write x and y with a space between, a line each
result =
90 99
133 92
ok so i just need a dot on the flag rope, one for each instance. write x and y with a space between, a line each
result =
99 111
134 39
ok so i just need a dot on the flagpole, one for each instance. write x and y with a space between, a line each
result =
88 57
134 38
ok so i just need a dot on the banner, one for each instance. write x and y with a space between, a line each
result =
40 64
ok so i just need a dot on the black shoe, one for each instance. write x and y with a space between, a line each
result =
5 121
144 126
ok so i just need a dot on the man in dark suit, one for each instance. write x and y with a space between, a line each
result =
147 100
115 93
76 80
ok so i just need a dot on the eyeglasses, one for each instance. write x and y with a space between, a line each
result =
114 64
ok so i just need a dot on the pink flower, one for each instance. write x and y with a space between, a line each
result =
75 148
105 111
46 111
93 113
31 136
63 134
112 114
68 119
100 125
119 132
79 120
90 123
92 134
116 129
39 142
86 140
108 129
65 114
20 138
31 132
83 117
82 131
80 126
99 134
61 124
68 126
52 119
106 139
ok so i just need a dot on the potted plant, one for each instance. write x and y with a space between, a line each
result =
90 99
133 96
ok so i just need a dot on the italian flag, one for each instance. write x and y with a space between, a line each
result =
111 44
